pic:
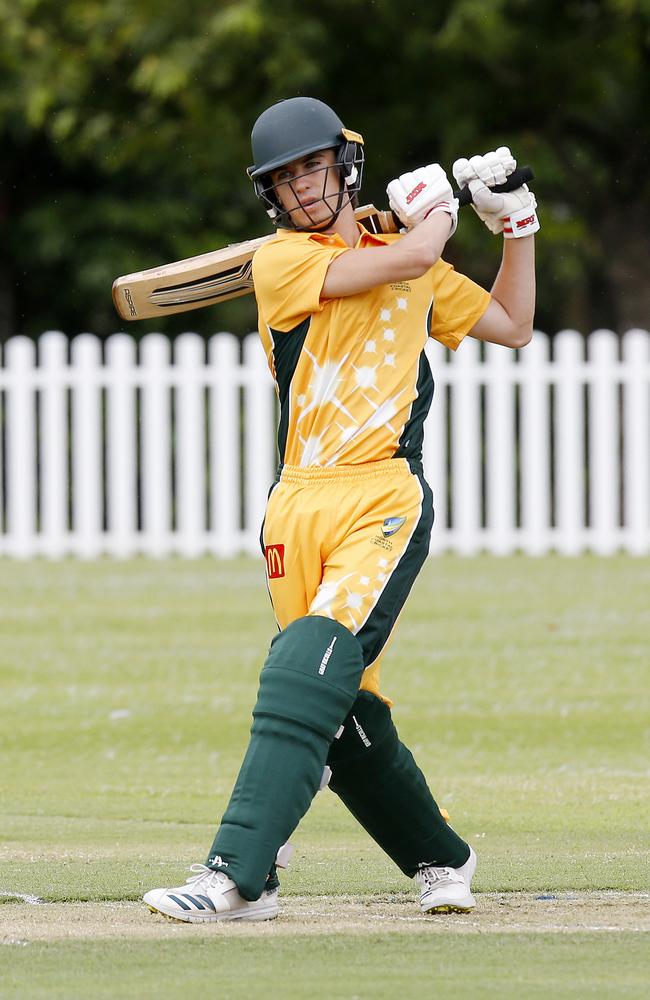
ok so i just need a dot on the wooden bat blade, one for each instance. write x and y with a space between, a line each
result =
207 278
187 284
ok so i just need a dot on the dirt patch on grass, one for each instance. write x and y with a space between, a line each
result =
562 913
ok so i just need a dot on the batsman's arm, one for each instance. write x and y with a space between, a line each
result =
419 249
410 257
508 319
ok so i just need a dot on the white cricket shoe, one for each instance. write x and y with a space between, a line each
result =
209 895
447 890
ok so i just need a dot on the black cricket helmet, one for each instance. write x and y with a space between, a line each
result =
291 130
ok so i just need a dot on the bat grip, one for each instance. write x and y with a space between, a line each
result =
518 177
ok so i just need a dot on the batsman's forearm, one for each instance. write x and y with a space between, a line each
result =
514 287
357 270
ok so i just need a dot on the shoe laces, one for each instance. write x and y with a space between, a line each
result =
206 876
433 876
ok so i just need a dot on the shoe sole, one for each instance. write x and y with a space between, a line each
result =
200 918
448 908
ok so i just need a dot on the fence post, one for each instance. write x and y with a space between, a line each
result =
225 485
466 448
21 447
87 486
534 446
604 479
155 444
636 451
569 443
499 459
53 350
190 444
121 431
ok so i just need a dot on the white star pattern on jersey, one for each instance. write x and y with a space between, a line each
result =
380 418
383 413
311 449
325 594
365 377
346 433
333 381
355 602
324 384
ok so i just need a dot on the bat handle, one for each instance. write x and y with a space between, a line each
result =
518 177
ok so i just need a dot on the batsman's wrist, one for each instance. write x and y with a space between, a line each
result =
523 222
450 207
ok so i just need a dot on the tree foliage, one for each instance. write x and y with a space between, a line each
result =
125 136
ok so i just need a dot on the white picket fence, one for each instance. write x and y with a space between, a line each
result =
158 448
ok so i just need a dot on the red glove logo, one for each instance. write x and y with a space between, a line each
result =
418 189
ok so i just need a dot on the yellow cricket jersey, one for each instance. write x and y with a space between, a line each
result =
353 381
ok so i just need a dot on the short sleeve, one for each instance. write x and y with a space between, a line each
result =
288 275
458 303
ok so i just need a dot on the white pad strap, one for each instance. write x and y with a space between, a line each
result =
325 778
283 857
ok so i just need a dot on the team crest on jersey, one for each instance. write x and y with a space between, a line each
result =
392 525
274 561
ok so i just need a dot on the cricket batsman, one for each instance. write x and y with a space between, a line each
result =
344 317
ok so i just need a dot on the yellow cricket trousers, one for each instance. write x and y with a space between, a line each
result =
347 543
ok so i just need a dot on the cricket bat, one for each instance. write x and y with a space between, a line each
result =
225 274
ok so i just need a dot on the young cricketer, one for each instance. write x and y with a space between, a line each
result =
344 317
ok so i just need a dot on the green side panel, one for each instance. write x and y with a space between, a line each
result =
412 437
286 354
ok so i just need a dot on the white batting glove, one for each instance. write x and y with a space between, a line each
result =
416 195
512 213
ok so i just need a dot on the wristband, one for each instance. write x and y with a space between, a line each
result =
451 208
523 222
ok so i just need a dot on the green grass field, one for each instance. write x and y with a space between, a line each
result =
521 685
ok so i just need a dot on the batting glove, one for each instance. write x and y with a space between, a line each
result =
512 213
416 195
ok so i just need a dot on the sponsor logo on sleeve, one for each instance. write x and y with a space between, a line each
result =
274 561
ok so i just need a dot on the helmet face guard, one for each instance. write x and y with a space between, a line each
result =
291 130
349 178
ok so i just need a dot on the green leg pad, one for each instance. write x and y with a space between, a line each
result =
376 777
307 686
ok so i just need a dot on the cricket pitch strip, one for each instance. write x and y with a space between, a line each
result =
24 920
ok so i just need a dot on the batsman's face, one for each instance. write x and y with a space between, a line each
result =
308 188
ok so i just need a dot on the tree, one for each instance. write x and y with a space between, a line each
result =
125 136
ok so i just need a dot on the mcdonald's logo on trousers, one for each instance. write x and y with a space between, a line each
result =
274 561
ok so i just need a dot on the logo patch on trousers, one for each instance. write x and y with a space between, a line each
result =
274 561
392 525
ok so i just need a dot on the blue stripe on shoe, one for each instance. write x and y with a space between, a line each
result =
206 899
180 902
193 899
